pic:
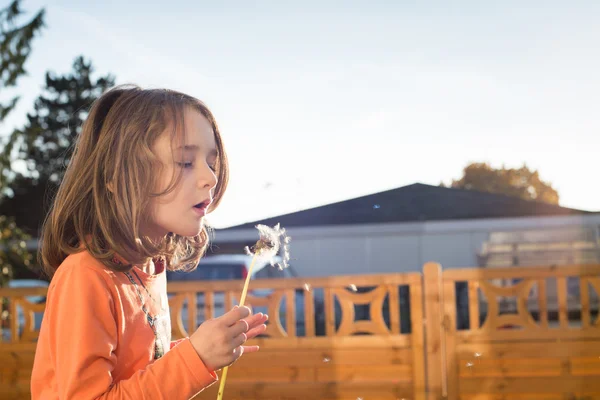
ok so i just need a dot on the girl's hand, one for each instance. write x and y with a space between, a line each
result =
219 341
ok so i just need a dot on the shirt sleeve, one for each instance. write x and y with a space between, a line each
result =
82 336
176 342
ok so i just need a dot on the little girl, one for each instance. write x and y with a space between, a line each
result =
148 166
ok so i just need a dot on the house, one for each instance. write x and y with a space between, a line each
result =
400 229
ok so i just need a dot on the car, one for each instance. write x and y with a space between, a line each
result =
235 267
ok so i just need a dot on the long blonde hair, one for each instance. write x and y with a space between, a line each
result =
105 194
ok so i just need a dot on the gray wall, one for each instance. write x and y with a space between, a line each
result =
388 248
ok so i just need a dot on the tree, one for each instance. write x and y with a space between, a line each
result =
45 144
14 249
15 47
517 182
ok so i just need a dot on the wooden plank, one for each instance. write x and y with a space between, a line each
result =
474 305
309 312
14 323
319 357
534 349
479 274
585 366
316 390
561 291
192 302
449 329
329 312
432 281
339 342
512 396
290 312
556 334
20 391
209 309
15 372
538 385
348 324
228 301
354 373
543 303
16 358
585 303
419 375
509 367
27 347
394 309
279 374
23 292
291 283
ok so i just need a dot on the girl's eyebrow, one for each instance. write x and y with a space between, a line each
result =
194 147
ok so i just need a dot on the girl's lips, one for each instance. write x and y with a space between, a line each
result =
201 211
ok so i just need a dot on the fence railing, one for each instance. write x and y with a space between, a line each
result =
440 334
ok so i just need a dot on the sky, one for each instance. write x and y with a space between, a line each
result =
322 101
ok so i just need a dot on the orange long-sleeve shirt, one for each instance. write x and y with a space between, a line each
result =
96 340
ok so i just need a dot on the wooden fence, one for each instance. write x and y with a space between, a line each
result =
545 346
521 333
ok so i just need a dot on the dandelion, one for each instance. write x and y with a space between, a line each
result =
469 364
271 241
326 359
477 355
353 287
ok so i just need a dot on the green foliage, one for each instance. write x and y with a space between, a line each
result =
45 143
15 47
13 249
517 182
16 38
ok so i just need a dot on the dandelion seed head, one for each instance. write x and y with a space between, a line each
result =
271 241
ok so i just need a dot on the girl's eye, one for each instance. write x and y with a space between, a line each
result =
185 164
213 168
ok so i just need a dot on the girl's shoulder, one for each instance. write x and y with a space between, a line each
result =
84 267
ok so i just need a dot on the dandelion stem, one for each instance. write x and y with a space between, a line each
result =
242 300
245 290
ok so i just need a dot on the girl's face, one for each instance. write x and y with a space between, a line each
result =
182 210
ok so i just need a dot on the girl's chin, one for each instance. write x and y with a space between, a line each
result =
189 232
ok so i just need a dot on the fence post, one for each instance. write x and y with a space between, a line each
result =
432 284
417 316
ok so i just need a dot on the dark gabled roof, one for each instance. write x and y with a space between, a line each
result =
417 202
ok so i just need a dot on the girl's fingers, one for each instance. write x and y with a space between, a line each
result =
241 326
239 340
237 352
257 330
256 319
250 349
235 315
